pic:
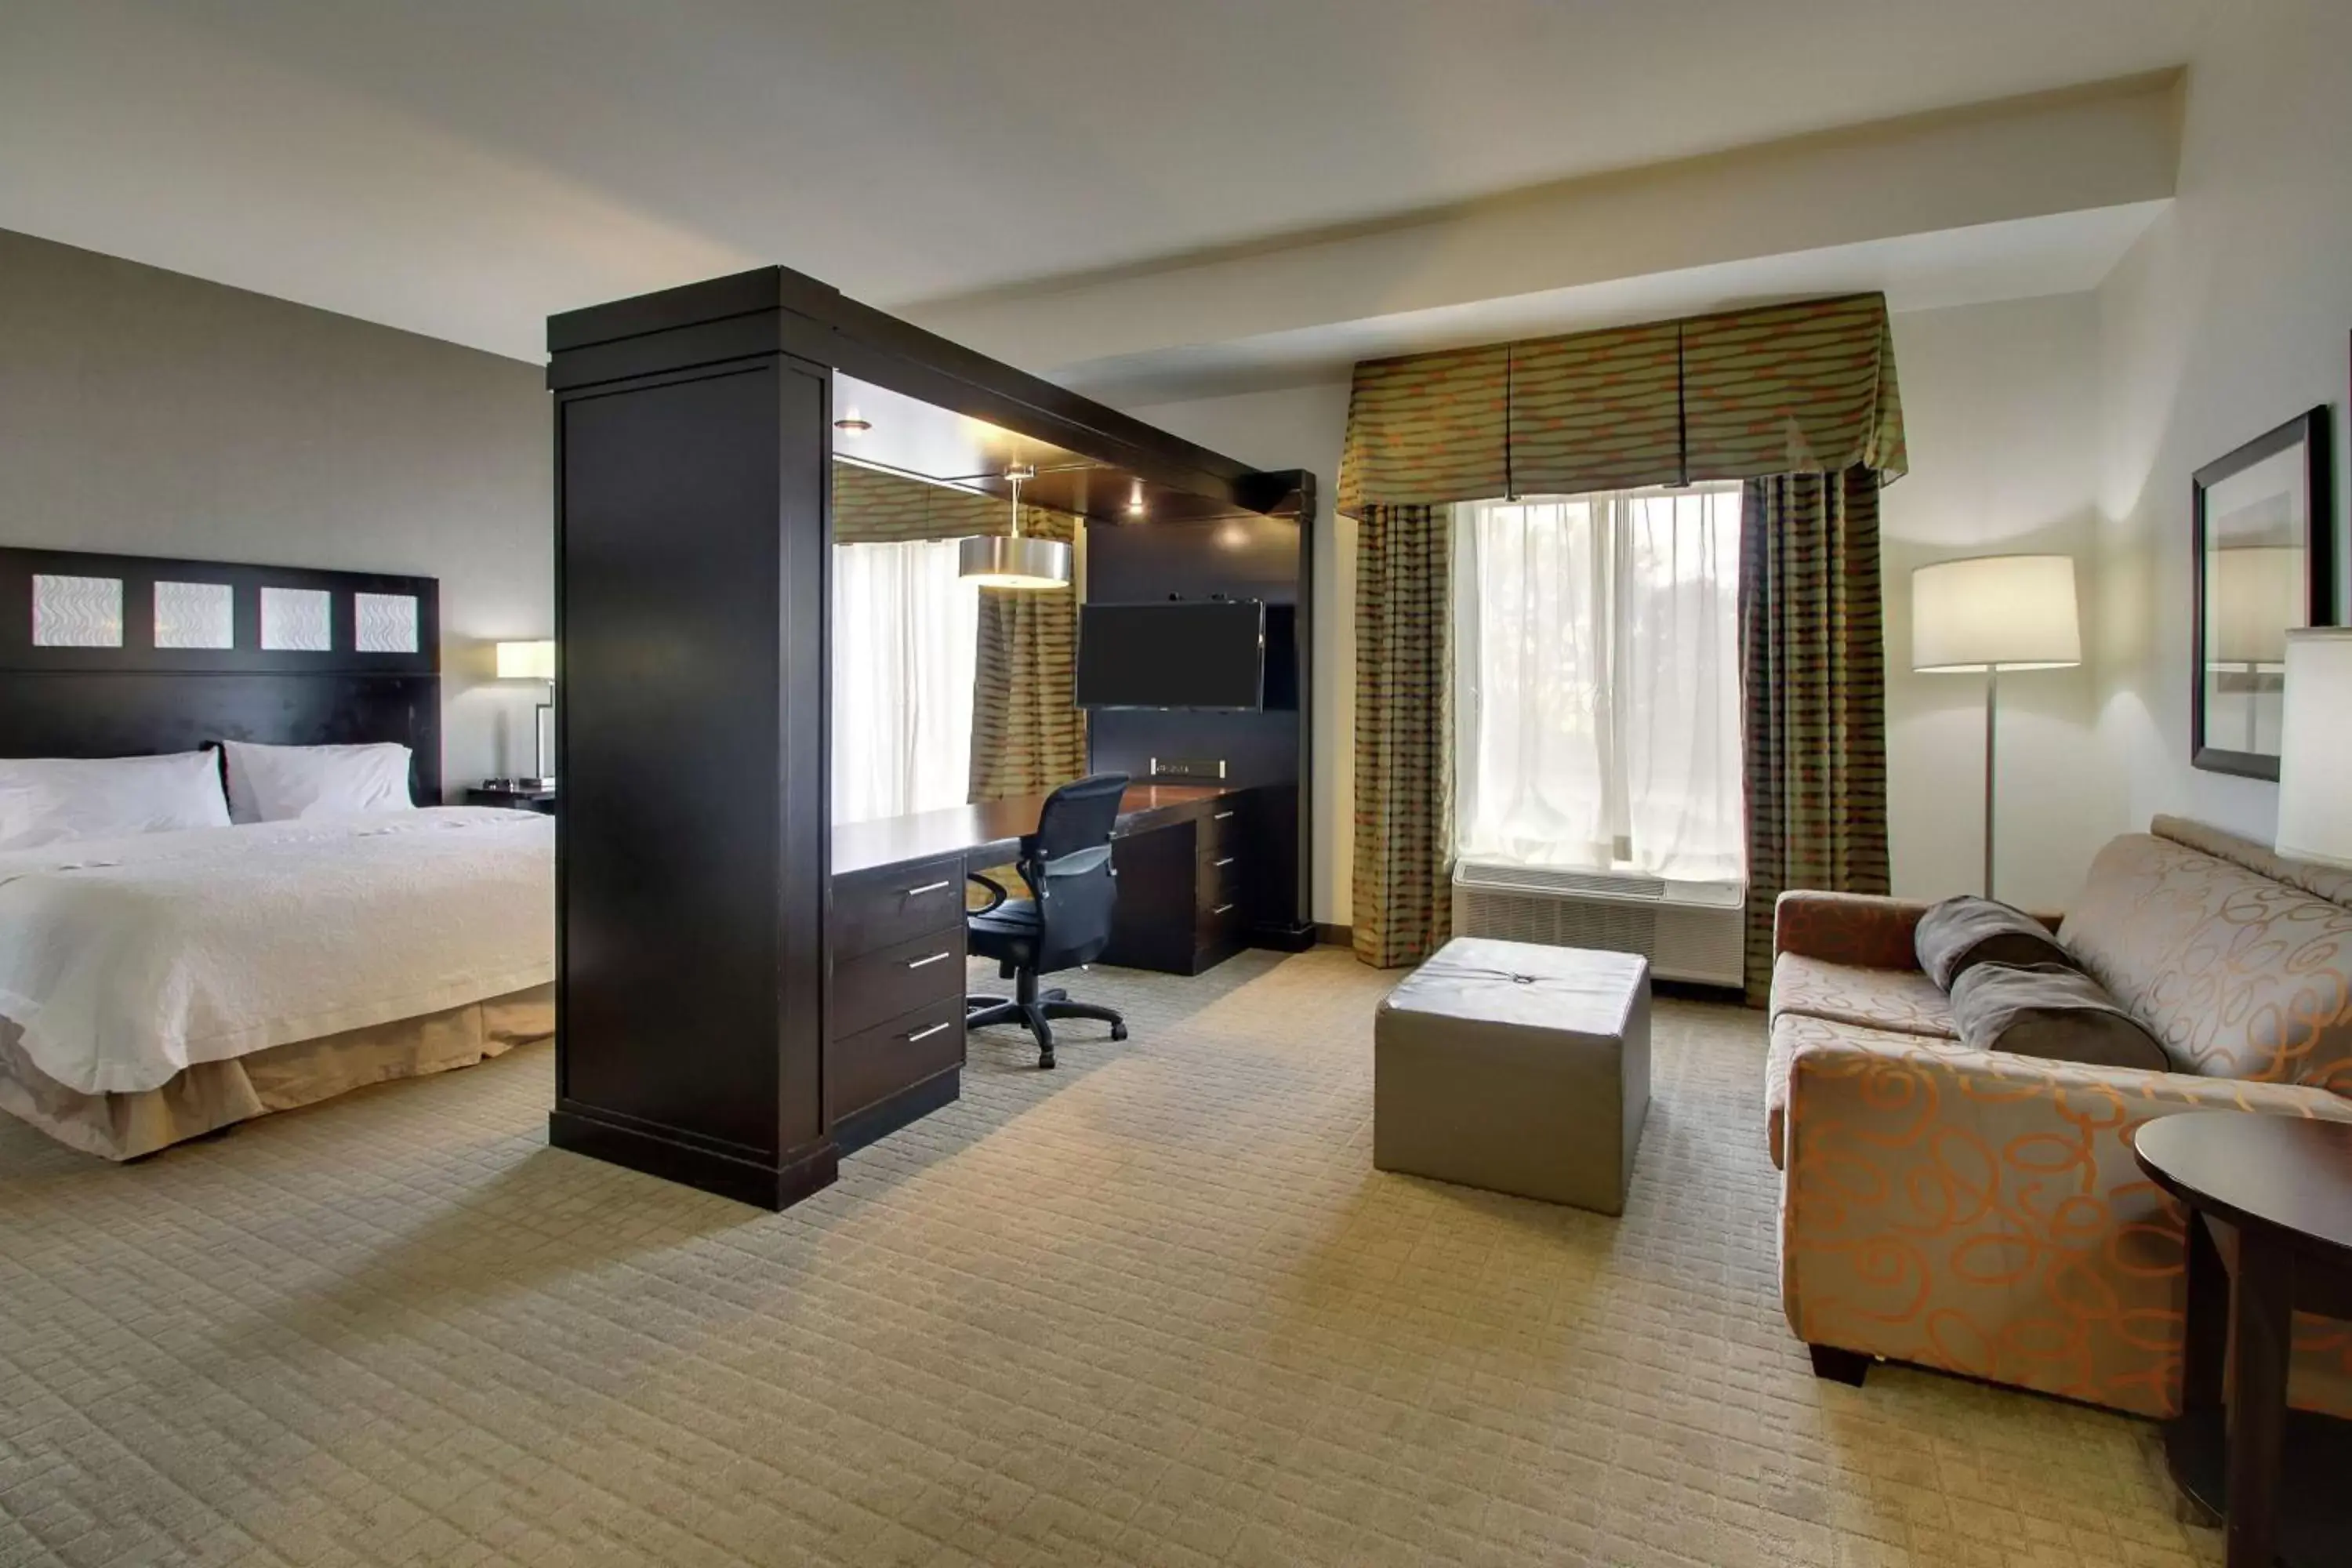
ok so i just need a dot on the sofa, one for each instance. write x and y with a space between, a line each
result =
1981 1213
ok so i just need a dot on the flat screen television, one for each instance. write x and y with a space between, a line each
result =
1176 653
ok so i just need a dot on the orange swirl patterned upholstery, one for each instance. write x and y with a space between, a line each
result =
1903 1000
1982 1213
2239 975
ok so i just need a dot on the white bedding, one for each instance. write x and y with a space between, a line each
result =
125 960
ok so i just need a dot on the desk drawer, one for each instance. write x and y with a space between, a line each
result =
1218 878
1218 831
1217 931
874 1064
895 979
895 904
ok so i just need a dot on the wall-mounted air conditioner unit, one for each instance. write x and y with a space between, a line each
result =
1687 931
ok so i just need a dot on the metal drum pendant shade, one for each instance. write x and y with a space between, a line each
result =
1013 560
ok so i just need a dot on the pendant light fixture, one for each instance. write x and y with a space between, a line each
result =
1016 559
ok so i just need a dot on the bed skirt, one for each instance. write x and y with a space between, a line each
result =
213 1095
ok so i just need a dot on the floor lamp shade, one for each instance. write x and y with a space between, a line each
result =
2314 806
2004 611
1994 613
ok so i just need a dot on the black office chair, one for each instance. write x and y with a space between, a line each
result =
1065 919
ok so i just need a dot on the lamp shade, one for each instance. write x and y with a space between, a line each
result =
526 661
2006 612
2251 595
2315 804
1014 561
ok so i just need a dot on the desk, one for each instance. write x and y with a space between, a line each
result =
893 1049
989 834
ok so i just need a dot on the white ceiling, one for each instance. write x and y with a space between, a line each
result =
464 169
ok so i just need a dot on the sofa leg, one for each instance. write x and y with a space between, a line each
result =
1848 1367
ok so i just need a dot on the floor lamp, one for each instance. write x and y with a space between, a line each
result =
1994 613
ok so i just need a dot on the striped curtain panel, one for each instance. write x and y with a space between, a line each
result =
1404 734
1813 674
876 505
1027 734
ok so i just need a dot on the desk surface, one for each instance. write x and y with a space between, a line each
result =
989 833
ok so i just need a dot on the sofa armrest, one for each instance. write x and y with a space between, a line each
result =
1983 1213
1865 930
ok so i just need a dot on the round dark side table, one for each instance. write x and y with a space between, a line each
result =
2284 1183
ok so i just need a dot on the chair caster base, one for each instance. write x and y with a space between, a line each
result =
1036 1013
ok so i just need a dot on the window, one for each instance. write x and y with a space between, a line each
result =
906 638
1597 683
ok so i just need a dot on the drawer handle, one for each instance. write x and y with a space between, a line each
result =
921 1034
1221 909
1220 865
929 888
919 963
1219 816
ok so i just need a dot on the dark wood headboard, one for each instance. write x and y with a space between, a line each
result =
95 683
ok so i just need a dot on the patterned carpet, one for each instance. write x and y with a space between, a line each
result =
1155 1308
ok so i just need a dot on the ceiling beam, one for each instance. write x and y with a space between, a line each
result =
2108 146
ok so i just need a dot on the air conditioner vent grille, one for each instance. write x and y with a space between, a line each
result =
1682 941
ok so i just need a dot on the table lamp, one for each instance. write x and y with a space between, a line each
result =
1993 612
535 661
2315 804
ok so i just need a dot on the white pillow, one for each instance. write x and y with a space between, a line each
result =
54 800
279 784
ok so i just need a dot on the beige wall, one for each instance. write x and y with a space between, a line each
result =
149 413
2000 407
2229 317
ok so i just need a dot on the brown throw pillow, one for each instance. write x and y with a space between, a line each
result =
1968 929
2049 1011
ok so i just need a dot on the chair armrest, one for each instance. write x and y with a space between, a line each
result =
1983 1213
1865 930
995 891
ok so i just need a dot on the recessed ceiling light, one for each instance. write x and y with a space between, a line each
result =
851 425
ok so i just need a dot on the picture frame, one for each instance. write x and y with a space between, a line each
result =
2262 522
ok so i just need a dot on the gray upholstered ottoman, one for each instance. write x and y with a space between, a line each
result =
1515 1068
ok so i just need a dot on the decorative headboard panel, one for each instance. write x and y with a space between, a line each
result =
109 656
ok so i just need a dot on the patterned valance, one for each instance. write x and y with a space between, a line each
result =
1808 388
873 506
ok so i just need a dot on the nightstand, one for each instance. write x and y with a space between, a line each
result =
539 800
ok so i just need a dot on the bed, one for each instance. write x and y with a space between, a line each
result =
159 985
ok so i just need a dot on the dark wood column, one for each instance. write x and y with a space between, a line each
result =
691 552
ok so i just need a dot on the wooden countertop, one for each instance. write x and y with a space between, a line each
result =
990 832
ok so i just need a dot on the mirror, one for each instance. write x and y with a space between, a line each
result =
2262 566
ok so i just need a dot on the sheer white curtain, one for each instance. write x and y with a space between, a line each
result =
905 638
1597 683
